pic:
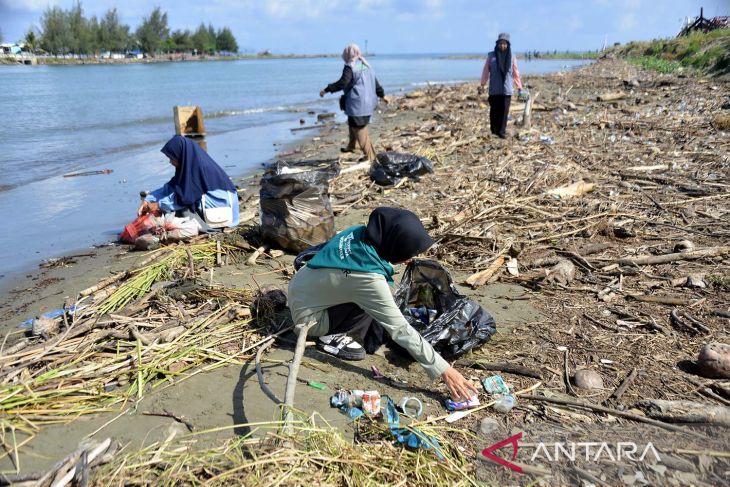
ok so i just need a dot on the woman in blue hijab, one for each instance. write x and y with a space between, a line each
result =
199 185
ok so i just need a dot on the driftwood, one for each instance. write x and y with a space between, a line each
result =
613 412
252 259
291 381
686 412
527 114
611 96
668 300
666 258
683 320
480 278
104 283
628 380
501 367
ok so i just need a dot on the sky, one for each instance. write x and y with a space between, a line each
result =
398 26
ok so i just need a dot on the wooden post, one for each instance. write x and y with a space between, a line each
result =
189 121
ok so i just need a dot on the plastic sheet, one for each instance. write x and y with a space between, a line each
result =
461 324
390 167
295 207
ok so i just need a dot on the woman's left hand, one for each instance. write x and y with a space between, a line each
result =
321 93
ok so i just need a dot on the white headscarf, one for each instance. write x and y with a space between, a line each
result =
352 54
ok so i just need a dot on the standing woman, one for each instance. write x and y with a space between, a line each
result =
362 91
500 71
199 185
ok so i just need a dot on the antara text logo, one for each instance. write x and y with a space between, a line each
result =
571 451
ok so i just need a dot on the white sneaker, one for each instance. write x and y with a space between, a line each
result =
342 346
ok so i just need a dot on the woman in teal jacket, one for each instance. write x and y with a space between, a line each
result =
345 289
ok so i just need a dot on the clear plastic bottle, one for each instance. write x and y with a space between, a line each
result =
504 403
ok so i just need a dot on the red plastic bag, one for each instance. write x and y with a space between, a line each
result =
140 226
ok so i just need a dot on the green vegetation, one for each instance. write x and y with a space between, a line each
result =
656 64
706 53
70 32
566 55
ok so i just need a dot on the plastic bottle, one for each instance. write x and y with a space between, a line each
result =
505 403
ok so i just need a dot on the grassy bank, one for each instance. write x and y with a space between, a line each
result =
568 55
703 53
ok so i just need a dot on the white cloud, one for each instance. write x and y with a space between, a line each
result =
627 22
299 8
26 5
574 23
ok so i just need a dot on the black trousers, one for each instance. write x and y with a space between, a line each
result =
498 113
351 319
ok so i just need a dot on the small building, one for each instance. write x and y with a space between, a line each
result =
10 49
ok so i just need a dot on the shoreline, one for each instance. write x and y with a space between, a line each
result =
485 194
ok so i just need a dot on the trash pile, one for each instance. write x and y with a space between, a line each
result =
148 231
296 212
390 167
447 319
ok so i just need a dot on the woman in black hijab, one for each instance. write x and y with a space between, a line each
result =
500 71
345 289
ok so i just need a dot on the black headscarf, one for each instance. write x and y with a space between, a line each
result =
196 173
396 234
504 58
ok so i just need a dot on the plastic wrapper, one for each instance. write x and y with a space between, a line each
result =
176 229
390 167
460 325
296 212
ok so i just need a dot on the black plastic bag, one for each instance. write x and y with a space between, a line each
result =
460 323
295 207
390 167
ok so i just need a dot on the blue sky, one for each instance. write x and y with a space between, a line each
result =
399 26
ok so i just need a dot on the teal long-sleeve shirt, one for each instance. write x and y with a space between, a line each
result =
313 291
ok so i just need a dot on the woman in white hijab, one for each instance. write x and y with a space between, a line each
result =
361 94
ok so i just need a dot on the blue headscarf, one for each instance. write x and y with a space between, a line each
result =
196 174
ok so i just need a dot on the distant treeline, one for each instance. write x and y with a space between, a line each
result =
70 32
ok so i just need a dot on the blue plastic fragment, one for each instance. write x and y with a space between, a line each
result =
51 314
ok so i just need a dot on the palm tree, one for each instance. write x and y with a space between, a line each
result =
30 41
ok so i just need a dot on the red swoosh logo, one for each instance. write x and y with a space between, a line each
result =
512 440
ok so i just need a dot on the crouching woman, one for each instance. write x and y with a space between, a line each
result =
200 188
345 289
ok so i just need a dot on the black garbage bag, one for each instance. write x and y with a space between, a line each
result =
296 212
390 167
447 319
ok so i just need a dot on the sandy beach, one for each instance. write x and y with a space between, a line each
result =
649 170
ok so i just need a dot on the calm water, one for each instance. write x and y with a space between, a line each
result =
61 119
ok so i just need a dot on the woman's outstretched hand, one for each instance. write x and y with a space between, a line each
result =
459 387
148 207
321 93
